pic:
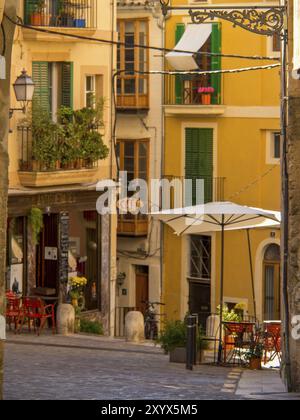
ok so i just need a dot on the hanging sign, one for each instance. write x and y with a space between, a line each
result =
2 68
296 52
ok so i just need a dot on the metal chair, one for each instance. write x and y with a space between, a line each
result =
13 308
33 309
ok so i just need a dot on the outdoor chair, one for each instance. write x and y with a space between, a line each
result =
13 309
34 310
237 340
272 342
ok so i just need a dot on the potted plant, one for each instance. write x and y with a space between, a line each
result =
76 289
38 17
206 93
173 340
233 315
79 20
254 355
65 16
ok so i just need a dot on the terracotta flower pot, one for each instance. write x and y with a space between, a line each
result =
36 19
206 98
255 363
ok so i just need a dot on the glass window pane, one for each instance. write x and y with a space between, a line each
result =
143 149
277 145
129 27
129 54
129 86
129 149
129 164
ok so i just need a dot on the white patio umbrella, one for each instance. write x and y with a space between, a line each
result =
217 217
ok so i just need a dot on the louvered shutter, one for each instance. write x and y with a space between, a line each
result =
199 160
67 85
216 62
180 29
40 75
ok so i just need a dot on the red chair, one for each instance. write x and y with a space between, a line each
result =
272 342
13 309
35 310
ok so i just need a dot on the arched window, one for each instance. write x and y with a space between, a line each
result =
272 282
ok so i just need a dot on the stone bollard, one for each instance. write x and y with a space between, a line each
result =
65 319
212 328
134 327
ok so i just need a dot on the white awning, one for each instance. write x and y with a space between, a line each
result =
192 40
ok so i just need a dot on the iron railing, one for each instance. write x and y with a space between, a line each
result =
187 90
214 189
61 13
28 161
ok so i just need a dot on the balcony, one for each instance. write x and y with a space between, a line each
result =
214 189
133 225
61 13
43 162
184 95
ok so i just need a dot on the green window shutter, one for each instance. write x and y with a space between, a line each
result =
180 28
29 8
41 78
216 62
67 85
199 160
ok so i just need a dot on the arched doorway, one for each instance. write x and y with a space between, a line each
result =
271 285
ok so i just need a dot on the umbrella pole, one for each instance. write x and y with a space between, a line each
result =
221 290
251 271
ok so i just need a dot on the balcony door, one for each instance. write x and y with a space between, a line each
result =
141 287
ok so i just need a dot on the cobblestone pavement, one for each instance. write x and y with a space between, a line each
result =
90 368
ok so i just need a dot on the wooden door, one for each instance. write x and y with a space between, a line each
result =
47 266
199 301
141 288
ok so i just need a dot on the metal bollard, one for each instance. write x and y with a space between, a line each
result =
191 342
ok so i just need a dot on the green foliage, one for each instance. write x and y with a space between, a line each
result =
233 315
39 6
45 135
75 136
256 351
92 327
36 222
174 335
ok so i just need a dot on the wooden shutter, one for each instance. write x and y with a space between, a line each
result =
216 62
180 29
29 8
40 75
199 159
67 85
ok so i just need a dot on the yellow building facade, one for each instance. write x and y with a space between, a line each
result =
62 190
233 142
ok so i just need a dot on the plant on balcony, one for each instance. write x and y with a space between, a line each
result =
45 140
38 16
65 16
206 93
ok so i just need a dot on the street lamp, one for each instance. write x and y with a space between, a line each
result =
24 89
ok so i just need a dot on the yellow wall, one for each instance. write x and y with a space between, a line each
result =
240 149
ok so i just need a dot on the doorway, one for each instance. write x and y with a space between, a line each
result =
272 306
199 301
141 287
47 253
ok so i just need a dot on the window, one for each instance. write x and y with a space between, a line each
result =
134 159
272 283
273 152
90 91
185 89
53 85
200 263
132 88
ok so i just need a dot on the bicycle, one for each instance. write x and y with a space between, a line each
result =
150 324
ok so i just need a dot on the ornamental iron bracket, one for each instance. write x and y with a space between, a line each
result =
262 20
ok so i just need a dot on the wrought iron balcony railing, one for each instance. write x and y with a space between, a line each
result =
51 155
214 190
190 90
61 13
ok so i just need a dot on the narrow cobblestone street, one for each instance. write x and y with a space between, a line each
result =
98 369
